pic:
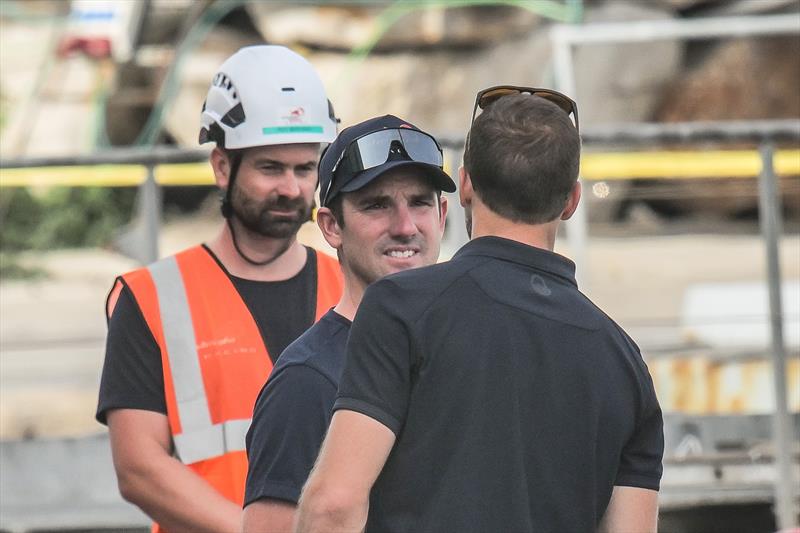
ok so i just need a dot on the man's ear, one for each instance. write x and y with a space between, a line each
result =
465 190
442 212
330 229
573 199
221 166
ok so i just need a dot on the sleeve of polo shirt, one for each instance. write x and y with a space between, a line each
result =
641 461
376 380
290 419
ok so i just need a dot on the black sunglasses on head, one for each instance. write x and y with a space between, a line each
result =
488 96
377 148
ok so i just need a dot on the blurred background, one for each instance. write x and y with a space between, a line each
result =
688 235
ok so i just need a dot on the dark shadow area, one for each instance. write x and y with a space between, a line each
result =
751 518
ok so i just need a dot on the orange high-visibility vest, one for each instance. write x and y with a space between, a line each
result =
214 358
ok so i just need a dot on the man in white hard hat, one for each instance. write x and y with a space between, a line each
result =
193 337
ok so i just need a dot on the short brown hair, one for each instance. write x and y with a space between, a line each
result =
523 157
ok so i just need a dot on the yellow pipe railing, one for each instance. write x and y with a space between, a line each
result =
594 166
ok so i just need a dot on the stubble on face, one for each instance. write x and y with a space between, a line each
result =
257 216
365 254
259 204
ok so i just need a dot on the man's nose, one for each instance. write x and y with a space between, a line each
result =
289 185
403 224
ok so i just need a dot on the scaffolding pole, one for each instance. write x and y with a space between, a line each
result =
770 218
564 38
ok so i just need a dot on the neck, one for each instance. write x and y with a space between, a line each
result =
351 295
486 223
286 265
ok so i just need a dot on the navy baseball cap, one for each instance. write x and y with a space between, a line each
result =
364 151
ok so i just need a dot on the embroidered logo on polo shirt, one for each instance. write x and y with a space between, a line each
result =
539 285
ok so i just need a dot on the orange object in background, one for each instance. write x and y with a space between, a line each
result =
702 385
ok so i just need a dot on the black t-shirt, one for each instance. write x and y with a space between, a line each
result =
516 403
133 376
293 411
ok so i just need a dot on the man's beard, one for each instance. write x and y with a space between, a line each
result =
256 217
468 219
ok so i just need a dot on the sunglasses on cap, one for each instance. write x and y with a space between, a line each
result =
376 148
488 96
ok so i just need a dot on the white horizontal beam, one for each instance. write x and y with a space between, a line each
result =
660 30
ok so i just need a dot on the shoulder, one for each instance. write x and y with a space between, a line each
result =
320 348
304 380
614 344
427 282
613 330
435 275
195 253
412 292
142 284
295 386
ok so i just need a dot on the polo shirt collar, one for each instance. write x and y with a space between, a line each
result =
517 252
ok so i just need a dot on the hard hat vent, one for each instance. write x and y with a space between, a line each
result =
222 81
234 117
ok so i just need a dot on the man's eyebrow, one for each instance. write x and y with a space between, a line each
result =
371 198
267 161
421 195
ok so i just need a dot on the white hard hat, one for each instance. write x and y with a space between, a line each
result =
265 95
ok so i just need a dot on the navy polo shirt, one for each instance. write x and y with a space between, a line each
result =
293 411
517 404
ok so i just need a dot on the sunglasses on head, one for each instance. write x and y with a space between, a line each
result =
488 96
376 148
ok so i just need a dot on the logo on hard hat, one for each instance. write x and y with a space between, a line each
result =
294 115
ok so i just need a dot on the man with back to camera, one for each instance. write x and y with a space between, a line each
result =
487 393
382 209
192 337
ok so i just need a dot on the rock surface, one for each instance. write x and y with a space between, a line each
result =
739 79
391 27
426 66
736 79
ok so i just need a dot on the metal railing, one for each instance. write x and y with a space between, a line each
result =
144 167
566 37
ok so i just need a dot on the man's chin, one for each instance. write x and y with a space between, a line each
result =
280 229
394 264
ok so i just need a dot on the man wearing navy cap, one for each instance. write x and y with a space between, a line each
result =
383 212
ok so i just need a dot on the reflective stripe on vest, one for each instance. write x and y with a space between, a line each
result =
161 292
199 439
213 357
195 445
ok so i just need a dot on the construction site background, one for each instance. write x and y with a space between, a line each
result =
681 264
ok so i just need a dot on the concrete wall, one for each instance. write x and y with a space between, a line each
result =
62 484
